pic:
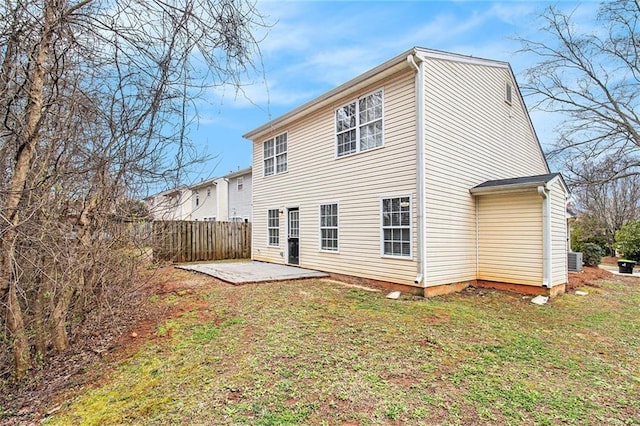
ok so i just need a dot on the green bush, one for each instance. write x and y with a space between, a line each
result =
591 254
585 229
628 240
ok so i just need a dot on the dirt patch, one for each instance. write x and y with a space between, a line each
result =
113 335
589 276
171 282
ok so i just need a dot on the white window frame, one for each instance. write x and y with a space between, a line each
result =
401 227
273 228
240 183
358 125
508 93
274 152
197 198
325 227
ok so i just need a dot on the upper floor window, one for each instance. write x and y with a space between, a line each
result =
359 125
208 192
197 199
275 155
240 182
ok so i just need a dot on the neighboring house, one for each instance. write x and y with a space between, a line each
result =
173 204
423 174
226 198
210 200
240 186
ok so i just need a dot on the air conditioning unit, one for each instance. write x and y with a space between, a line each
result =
575 261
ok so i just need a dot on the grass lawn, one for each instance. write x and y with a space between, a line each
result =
317 352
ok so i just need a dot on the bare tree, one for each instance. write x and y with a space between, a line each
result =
96 99
593 78
604 204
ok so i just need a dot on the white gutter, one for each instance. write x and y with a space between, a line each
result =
546 236
421 276
504 189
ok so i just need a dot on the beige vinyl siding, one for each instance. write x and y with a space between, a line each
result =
470 132
356 183
240 201
559 268
510 238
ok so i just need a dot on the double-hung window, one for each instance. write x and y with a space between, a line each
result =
396 226
329 227
359 124
275 155
273 227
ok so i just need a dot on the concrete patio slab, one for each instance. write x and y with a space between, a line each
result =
252 272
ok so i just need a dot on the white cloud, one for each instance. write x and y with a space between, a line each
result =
513 13
260 95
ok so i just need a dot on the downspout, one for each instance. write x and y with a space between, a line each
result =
421 273
546 236
477 204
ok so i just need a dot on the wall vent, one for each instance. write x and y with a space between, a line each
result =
575 261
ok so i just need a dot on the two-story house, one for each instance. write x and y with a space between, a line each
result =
239 191
172 204
210 200
424 174
226 198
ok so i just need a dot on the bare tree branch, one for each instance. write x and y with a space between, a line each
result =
96 100
593 79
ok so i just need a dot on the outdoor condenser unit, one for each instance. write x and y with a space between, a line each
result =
575 261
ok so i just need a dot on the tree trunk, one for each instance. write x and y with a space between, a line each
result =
27 139
15 322
40 318
59 321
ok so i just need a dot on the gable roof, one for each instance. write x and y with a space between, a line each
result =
518 184
403 61
378 73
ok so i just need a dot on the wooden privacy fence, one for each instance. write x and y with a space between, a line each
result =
191 241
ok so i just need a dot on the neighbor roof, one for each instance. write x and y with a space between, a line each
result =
241 172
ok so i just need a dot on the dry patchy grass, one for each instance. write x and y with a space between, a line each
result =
314 352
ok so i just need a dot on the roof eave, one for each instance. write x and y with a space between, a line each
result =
240 172
521 186
375 74
505 189
205 183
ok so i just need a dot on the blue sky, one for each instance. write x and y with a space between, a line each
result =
314 46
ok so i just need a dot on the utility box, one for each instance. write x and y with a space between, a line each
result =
575 261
